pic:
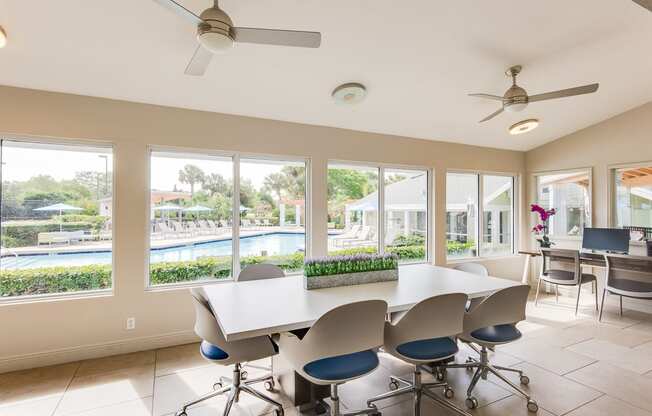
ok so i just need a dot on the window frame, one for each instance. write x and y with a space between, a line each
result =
382 167
235 241
480 222
611 187
72 142
589 219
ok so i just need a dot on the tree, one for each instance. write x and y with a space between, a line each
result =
215 184
97 182
276 183
191 175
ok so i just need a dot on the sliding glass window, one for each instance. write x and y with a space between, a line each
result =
632 199
56 218
470 235
570 194
202 231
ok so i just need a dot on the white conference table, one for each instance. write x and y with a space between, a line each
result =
264 307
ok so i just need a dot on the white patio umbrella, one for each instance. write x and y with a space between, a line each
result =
60 208
168 208
196 209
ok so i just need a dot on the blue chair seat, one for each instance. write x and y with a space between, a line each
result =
211 352
343 366
429 349
497 333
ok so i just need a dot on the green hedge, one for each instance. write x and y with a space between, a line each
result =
15 235
54 280
457 247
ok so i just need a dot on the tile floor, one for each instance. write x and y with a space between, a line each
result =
577 367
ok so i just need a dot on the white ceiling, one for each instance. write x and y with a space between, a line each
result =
418 59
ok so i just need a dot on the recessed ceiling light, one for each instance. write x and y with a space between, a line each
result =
3 37
349 93
524 126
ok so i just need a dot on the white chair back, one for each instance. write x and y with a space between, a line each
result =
474 268
506 306
259 272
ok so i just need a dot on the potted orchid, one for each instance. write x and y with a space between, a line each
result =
542 229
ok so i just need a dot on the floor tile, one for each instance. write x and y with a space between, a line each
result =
634 360
552 392
552 358
611 333
512 406
138 407
42 407
115 362
616 382
100 390
608 406
497 357
36 384
354 394
179 358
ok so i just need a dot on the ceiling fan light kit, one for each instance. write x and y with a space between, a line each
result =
524 126
215 35
349 93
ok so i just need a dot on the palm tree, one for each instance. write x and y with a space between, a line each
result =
191 175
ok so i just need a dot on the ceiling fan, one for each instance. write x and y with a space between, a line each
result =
644 3
516 98
216 34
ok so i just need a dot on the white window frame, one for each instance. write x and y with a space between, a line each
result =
589 219
382 167
235 215
480 214
611 187
69 143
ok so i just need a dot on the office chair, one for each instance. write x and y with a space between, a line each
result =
259 272
474 268
563 267
491 323
422 336
629 276
215 348
339 347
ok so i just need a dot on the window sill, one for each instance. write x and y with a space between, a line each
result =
481 259
185 285
56 297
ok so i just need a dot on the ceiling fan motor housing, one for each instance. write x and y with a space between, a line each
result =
515 99
215 34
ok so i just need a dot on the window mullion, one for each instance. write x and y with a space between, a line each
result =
235 240
381 210
480 216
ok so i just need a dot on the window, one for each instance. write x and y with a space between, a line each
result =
56 210
633 198
354 198
569 193
197 234
493 234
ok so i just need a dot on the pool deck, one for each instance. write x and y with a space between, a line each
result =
156 244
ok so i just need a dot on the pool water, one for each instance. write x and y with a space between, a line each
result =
273 244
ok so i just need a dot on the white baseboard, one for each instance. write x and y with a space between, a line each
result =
85 352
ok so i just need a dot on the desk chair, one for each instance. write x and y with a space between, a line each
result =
259 272
215 348
339 347
422 336
491 323
473 268
629 276
563 267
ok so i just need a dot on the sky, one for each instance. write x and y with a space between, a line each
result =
20 164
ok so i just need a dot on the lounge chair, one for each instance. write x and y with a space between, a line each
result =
166 231
179 230
364 237
352 233
266 223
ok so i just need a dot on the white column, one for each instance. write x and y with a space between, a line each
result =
297 215
281 214
347 219
406 222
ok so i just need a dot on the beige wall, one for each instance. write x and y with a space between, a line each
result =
57 330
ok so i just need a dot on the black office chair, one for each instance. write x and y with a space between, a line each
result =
628 276
563 267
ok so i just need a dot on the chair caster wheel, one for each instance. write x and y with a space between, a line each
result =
393 385
244 375
269 385
525 380
441 374
532 406
471 402
449 393
217 385
181 413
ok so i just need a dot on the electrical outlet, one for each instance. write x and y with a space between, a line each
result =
131 323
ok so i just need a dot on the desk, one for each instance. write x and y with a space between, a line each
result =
586 259
265 307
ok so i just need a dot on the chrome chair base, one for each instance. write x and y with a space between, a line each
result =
333 408
418 389
237 386
482 368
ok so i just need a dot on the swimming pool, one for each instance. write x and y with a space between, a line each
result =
273 244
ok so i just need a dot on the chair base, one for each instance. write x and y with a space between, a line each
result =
238 386
333 409
482 368
418 389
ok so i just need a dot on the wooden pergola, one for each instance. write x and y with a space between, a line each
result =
637 177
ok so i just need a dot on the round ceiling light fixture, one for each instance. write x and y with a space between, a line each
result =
524 126
3 37
215 34
349 93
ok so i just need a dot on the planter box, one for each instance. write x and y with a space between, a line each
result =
349 279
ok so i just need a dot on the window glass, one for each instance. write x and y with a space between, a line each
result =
191 202
568 193
56 218
633 198
498 208
461 215
352 209
406 219
273 213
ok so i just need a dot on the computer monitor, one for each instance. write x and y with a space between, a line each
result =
615 240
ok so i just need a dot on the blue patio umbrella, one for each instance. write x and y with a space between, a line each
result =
60 208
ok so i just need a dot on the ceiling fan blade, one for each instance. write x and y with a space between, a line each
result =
199 62
488 96
276 37
180 10
644 3
492 115
585 89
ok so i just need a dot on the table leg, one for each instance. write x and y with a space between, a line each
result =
526 270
